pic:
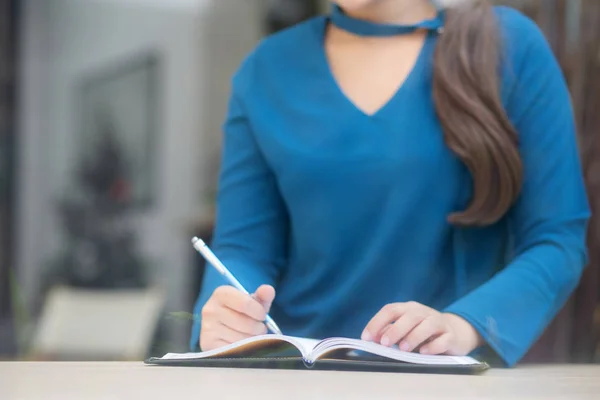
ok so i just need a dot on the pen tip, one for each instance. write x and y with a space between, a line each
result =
195 239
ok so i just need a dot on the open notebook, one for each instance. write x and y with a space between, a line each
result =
278 351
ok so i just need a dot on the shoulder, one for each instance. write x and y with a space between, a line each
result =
528 60
514 21
534 86
276 51
522 38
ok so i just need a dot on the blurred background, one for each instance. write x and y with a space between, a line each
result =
110 127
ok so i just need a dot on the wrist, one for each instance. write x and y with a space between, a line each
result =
467 336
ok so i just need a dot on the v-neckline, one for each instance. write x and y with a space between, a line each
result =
413 74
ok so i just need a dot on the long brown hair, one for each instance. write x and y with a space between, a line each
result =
466 93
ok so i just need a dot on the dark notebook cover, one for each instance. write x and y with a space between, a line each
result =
362 363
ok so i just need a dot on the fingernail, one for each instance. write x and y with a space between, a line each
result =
404 346
366 336
385 341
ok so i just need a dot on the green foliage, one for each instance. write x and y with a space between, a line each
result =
22 318
182 315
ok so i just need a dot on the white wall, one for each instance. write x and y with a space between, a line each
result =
200 42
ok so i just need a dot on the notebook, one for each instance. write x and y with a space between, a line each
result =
288 352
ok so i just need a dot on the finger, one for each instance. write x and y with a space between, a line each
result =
207 343
232 298
241 322
428 328
401 328
265 295
439 345
377 339
386 316
229 335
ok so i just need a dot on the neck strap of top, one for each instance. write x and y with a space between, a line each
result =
367 28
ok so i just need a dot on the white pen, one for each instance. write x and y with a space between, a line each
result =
212 259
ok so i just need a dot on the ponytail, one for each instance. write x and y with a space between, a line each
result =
466 92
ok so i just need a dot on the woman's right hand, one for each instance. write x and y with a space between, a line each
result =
230 315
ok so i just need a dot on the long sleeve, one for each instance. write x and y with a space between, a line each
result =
251 223
549 220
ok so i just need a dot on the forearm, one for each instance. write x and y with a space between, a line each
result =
512 309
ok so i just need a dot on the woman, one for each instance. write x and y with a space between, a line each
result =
403 173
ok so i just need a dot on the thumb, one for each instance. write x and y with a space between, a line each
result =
265 295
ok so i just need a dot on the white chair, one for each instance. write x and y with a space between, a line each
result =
97 324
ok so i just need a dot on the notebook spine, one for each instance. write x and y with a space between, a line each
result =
308 363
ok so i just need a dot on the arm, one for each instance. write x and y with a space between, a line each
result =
548 221
251 222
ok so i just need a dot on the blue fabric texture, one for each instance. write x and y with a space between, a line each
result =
344 212
368 28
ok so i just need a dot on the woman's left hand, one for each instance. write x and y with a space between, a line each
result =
413 325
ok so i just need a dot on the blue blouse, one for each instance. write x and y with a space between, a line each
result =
344 212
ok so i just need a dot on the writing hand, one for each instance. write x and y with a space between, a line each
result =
413 326
230 315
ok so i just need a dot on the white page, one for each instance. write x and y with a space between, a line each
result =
304 345
390 352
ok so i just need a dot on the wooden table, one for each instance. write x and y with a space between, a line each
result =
115 381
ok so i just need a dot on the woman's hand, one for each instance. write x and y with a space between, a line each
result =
230 315
415 326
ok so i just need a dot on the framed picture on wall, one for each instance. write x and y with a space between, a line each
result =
121 100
